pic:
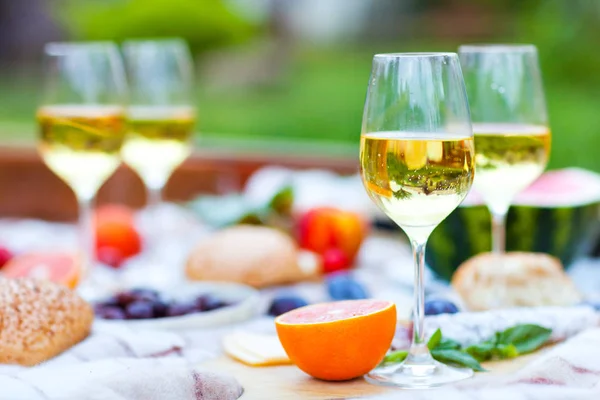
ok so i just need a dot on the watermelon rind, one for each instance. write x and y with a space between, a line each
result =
562 229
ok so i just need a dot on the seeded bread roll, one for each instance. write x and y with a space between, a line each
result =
489 281
39 320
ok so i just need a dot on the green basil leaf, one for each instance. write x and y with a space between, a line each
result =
435 339
481 351
503 351
395 357
448 344
457 358
526 338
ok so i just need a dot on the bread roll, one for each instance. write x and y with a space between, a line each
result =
39 319
253 255
489 281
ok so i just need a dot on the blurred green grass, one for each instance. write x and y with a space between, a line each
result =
324 98
319 107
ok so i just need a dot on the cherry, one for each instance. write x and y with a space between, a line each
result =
111 256
5 256
335 259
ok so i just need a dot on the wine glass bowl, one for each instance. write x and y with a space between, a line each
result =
161 117
417 165
81 123
510 124
81 143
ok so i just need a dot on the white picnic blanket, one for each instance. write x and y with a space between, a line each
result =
570 371
123 364
119 363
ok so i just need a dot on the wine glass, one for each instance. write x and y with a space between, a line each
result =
82 123
510 124
417 165
160 115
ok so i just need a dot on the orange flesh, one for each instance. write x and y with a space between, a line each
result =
329 312
54 266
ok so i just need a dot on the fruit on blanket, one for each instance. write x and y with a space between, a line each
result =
335 259
110 256
180 308
440 306
208 303
282 304
342 286
144 303
323 228
59 267
138 294
139 310
115 230
115 212
109 312
557 215
338 341
5 256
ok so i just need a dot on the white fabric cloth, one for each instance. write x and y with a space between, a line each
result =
118 363
569 371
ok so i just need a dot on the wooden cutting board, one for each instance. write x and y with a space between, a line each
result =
288 382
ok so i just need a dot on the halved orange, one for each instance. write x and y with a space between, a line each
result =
60 267
340 340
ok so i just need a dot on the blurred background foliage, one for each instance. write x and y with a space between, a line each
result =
281 74
205 24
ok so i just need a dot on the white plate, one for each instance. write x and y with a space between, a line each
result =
245 305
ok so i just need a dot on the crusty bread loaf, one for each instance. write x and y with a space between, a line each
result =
515 279
39 319
253 255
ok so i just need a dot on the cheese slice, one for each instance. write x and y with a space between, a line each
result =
255 349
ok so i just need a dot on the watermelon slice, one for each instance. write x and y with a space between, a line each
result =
558 214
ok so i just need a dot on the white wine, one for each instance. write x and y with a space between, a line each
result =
158 140
508 158
81 143
415 178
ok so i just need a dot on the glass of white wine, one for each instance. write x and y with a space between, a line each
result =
161 117
82 123
417 165
510 124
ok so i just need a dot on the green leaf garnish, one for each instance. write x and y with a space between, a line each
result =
402 194
504 351
526 338
481 351
435 339
395 357
448 344
507 344
457 358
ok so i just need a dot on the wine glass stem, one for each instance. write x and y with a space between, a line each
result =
87 237
154 196
154 235
419 355
499 232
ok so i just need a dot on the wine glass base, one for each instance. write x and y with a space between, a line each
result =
417 377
